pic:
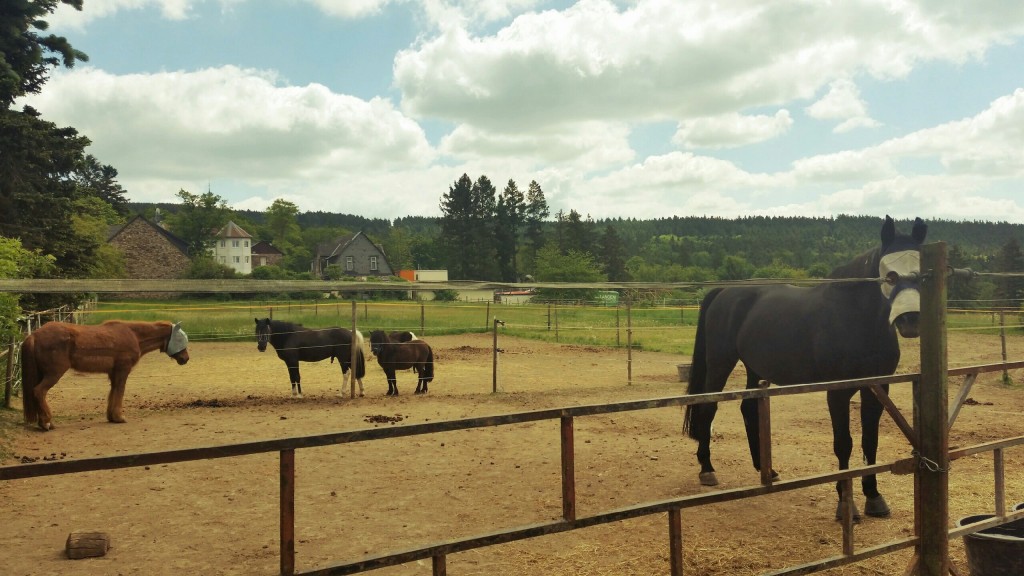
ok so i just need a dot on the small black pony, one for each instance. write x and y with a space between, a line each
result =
400 351
295 343
795 335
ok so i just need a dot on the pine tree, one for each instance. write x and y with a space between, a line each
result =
457 226
1010 259
612 256
510 217
535 215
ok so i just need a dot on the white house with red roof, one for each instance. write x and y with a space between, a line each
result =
233 247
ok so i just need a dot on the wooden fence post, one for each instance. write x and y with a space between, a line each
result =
931 479
356 349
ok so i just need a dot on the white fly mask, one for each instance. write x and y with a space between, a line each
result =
178 340
898 268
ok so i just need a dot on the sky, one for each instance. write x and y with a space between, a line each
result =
616 108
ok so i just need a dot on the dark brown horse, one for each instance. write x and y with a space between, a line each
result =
111 348
401 351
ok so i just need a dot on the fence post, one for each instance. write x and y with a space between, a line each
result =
1002 338
423 317
287 512
494 371
629 343
9 381
356 349
931 480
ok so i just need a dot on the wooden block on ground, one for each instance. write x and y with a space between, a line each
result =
87 544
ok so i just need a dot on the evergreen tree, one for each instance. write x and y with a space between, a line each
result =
535 214
1010 289
483 250
510 217
100 180
576 234
961 292
457 227
612 256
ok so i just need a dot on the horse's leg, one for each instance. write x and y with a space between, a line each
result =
420 386
344 378
871 410
704 416
115 399
842 443
296 380
750 408
45 418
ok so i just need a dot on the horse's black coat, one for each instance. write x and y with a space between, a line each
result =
295 343
401 351
792 335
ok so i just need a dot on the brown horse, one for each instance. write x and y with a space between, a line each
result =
113 348
401 351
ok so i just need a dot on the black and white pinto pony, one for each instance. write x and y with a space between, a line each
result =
295 343
401 351
796 335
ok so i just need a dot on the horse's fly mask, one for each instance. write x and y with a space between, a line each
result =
900 269
177 341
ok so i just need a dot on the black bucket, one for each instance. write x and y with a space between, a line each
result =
995 551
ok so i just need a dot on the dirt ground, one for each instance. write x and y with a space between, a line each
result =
221 516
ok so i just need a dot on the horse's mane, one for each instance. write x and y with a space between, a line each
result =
284 325
863 266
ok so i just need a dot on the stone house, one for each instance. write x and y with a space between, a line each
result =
149 250
354 255
266 254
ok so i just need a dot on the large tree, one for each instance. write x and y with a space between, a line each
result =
457 225
198 219
535 214
509 218
612 257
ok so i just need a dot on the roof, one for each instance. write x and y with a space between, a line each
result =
329 249
264 247
232 230
180 244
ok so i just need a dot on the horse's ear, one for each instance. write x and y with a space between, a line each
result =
888 231
920 230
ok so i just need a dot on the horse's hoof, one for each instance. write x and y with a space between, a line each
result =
876 507
46 427
708 479
839 512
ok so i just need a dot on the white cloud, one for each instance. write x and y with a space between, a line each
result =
731 130
67 17
230 122
842 102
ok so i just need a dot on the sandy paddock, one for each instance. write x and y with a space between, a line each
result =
220 516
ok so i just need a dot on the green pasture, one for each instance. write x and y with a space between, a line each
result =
662 328
666 329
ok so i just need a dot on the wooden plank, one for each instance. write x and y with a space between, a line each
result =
287 510
568 470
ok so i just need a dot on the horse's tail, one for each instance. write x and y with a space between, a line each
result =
428 366
360 368
699 362
29 380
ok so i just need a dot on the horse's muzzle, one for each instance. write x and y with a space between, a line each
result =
907 324
261 346
181 357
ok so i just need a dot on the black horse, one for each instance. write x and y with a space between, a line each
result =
401 351
795 335
295 343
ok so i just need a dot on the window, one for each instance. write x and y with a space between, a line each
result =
246 259
237 260
223 259
349 263
223 243
246 243
234 243
373 263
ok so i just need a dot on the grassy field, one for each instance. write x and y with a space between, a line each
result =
664 329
